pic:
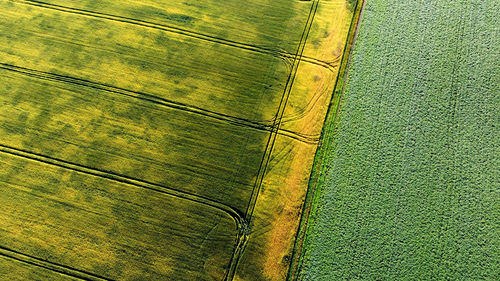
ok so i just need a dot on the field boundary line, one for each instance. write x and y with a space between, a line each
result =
330 117
282 54
238 121
240 222
55 267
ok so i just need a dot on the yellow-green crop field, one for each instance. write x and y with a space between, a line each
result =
160 140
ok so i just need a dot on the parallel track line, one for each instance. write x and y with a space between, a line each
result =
241 223
272 139
55 267
238 121
177 30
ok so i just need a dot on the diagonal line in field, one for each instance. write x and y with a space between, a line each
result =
238 121
271 141
239 220
180 31
55 267
281 110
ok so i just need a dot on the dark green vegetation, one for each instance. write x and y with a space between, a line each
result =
409 182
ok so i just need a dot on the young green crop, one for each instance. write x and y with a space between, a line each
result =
409 189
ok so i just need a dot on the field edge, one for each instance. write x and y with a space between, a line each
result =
324 140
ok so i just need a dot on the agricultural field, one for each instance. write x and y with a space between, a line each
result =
407 177
159 140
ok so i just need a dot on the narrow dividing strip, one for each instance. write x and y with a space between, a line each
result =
241 223
156 100
62 269
180 31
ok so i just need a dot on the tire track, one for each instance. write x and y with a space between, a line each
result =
282 54
271 141
41 133
123 179
311 103
238 121
281 110
55 267
240 221
305 138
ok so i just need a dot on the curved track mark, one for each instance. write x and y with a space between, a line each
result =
238 121
240 221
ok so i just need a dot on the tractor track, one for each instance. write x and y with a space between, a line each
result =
55 267
240 221
238 121
272 139
177 30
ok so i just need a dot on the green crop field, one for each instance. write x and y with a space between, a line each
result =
408 174
160 140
